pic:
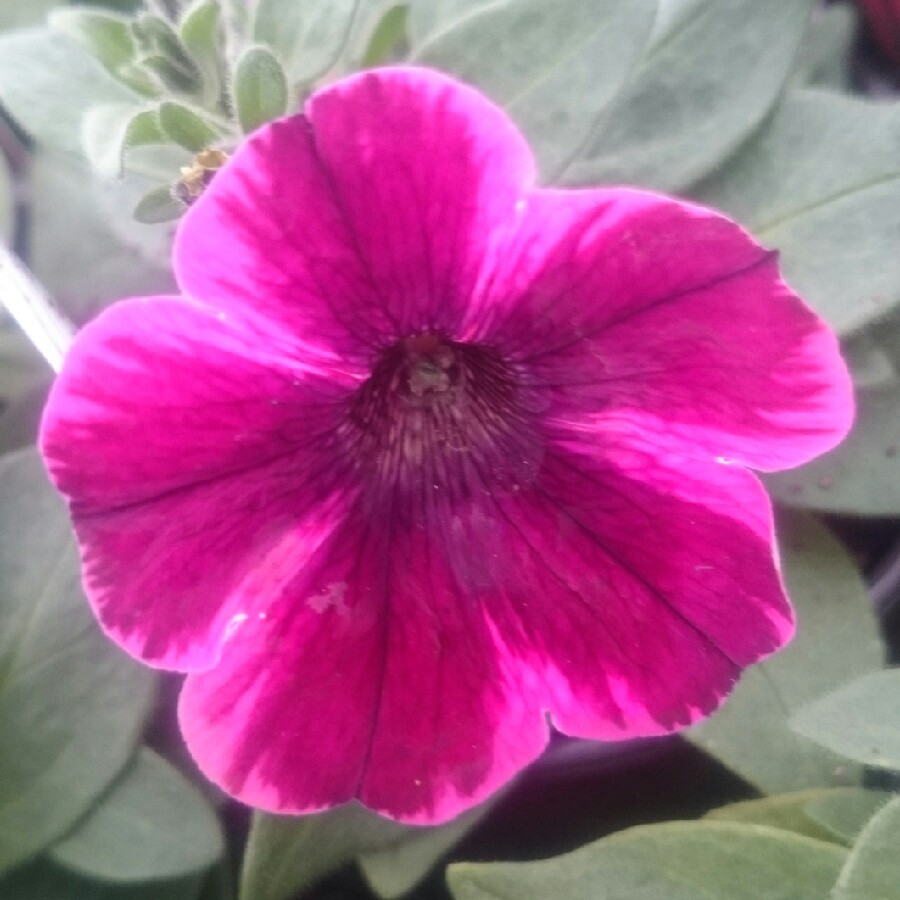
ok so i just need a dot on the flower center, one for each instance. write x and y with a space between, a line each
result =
441 414
431 370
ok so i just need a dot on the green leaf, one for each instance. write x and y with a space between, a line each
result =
259 87
139 78
158 206
113 257
288 854
152 824
199 29
159 163
107 37
111 129
219 883
873 355
672 861
48 82
829 202
844 812
393 871
785 811
859 720
16 14
71 703
370 15
708 77
22 408
387 36
161 50
201 34
554 66
427 18
187 127
307 38
41 880
873 870
862 475
837 639
23 378
824 58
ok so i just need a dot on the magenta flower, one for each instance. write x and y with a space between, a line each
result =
427 458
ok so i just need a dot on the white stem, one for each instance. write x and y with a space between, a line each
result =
28 303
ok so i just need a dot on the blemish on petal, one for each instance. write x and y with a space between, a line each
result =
332 597
234 623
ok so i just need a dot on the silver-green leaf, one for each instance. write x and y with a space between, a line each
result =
861 476
554 66
42 880
259 88
828 201
16 14
427 18
48 83
844 812
394 870
288 854
113 256
837 638
109 130
158 206
859 720
387 36
785 811
708 77
308 37
187 127
671 861
106 36
151 824
873 870
201 34
71 703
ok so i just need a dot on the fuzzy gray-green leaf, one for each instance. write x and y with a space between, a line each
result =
259 88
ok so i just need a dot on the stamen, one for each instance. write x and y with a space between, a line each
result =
441 414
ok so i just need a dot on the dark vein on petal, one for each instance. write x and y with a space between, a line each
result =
631 314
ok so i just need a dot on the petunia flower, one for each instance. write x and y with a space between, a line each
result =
428 459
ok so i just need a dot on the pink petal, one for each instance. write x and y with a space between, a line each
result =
625 304
365 220
371 678
194 458
411 663
632 588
